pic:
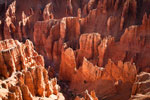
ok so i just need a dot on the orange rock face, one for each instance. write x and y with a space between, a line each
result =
94 45
23 76
112 76
88 96
45 24
140 89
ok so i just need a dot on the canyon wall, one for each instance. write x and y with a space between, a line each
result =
98 45
50 24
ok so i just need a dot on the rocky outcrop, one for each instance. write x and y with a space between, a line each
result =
44 19
133 46
9 27
23 76
102 49
138 43
76 35
48 12
56 33
64 74
69 9
140 89
88 96
112 76
88 46
93 47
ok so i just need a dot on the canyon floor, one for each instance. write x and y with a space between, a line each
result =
74 49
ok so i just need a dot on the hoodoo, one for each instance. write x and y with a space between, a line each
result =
74 49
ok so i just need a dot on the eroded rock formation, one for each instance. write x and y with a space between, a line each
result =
43 23
140 89
22 73
92 43
88 96
112 76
